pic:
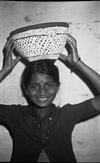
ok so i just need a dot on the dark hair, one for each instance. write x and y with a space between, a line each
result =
41 66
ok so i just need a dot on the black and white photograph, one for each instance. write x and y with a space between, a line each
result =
50 81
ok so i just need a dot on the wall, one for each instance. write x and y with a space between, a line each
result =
84 20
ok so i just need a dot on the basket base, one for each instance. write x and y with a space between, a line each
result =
47 56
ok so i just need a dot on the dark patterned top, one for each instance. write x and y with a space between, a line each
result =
24 129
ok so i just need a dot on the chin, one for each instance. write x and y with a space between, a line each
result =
42 105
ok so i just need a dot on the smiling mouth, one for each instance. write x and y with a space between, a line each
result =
43 99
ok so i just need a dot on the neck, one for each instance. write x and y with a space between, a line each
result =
42 112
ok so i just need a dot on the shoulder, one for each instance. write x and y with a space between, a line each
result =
85 106
79 112
65 110
13 108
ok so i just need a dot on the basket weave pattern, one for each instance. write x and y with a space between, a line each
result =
43 43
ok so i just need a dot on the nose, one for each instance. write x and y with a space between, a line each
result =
42 91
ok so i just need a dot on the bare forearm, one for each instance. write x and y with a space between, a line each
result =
94 78
91 74
3 74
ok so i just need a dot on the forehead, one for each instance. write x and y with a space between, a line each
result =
41 78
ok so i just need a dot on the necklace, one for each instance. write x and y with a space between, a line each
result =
42 129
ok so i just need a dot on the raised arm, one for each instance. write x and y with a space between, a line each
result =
8 62
74 60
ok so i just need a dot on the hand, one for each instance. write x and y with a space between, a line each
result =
8 62
71 47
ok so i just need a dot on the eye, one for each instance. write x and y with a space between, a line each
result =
50 85
33 86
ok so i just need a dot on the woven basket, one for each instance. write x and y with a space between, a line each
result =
41 41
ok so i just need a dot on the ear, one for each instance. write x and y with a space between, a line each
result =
58 87
26 91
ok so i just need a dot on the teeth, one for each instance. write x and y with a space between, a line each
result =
42 99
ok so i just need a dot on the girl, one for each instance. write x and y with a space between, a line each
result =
41 128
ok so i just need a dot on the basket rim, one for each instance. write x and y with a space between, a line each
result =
37 26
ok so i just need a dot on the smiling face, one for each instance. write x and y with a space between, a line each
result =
42 89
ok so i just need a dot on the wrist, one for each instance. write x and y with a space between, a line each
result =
76 64
5 71
78 59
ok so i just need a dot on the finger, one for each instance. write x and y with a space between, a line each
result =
8 46
63 57
8 55
71 42
73 50
72 39
72 45
8 42
10 49
16 61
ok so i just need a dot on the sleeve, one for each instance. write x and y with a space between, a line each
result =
82 111
6 115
